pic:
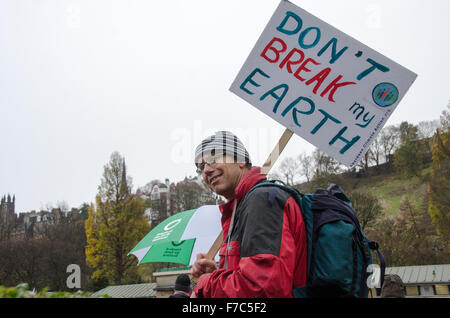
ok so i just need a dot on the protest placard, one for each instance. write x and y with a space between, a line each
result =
321 84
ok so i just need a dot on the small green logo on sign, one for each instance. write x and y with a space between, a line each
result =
385 94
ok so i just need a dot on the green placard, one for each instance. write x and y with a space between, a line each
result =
170 252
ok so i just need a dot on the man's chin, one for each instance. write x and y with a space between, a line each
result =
223 192
218 189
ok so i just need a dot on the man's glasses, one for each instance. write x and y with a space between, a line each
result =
210 161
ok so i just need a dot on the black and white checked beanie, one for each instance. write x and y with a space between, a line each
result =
224 142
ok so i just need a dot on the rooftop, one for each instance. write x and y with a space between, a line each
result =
422 274
129 291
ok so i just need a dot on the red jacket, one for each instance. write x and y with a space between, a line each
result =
267 251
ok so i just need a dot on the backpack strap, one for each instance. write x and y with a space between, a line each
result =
271 195
301 200
374 246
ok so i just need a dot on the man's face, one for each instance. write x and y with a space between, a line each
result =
223 175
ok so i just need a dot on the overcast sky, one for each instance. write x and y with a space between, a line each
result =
81 79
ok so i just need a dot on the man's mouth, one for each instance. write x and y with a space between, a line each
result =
213 180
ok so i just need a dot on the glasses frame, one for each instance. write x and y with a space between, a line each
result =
211 161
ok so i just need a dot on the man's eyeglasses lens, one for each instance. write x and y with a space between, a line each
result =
209 161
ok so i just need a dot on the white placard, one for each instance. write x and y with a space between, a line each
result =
322 84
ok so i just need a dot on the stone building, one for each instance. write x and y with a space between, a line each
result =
7 216
27 225
161 197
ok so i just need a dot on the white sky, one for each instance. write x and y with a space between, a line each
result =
80 79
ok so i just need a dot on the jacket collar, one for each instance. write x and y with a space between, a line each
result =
249 179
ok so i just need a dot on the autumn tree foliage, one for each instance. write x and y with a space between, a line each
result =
409 237
41 261
439 185
408 158
114 226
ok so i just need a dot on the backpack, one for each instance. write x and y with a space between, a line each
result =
393 287
338 251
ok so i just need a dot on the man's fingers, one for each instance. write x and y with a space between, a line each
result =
201 255
202 265
206 262
196 270
207 265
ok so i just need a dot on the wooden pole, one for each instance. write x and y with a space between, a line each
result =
279 147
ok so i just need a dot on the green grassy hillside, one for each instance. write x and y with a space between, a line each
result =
390 187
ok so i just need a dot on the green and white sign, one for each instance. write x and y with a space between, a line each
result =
179 238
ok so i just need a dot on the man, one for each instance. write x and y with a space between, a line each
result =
264 249
182 287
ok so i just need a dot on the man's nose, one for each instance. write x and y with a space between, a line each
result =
207 169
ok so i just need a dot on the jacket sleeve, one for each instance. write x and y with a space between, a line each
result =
269 231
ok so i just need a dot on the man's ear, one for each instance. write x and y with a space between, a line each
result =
242 165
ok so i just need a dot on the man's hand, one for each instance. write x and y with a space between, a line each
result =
202 265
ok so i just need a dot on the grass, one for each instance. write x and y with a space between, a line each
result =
392 188
23 291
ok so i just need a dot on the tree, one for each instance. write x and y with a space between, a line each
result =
84 208
115 185
376 150
420 242
439 186
190 194
390 140
408 132
289 168
114 226
324 165
385 232
66 241
409 238
363 164
306 165
366 206
426 129
408 158
41 260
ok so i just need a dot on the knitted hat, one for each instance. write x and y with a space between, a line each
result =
222 142
183 283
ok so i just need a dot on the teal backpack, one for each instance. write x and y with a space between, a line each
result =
338 251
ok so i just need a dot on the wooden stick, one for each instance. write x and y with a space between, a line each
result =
214 249
279 147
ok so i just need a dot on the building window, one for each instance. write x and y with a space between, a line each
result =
412 290
441 289
426 290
